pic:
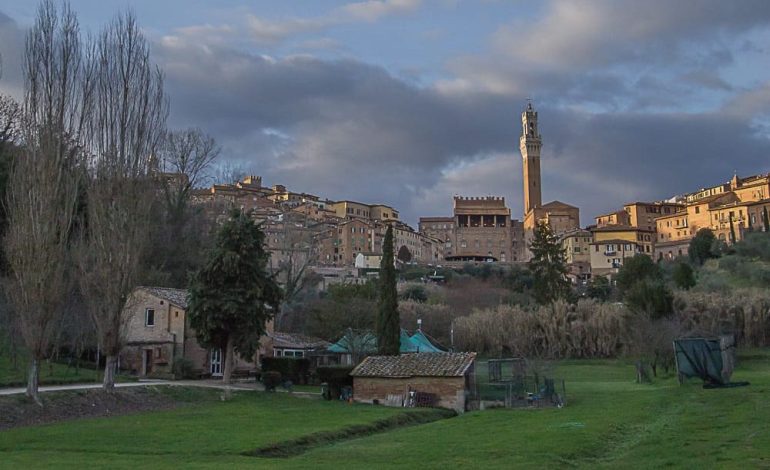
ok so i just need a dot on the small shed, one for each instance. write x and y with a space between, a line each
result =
431 379
710 359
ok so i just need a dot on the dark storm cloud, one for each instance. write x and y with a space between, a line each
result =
345 129
350 130
11 46
619 88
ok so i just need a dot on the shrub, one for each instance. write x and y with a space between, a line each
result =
271 379
587 329
183 368
743 312
295 369
683 276
414 292
635 270
754 245
649 297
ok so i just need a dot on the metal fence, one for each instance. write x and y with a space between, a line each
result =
509 383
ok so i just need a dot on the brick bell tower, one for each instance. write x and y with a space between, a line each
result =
530 144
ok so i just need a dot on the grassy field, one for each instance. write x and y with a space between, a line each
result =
49 373
609 422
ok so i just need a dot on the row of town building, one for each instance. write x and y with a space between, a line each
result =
481 228
307 229
326 234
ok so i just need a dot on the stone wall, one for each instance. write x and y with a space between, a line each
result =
449 390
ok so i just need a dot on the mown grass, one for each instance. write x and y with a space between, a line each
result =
50 373
609 422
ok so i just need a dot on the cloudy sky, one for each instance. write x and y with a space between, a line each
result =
409 102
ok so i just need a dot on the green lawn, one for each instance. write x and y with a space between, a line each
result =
49 373
609 422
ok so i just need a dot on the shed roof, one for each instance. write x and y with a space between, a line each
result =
175 296
296 341
415 365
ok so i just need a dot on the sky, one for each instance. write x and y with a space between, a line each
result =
410 102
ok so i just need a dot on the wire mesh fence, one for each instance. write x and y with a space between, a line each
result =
511 383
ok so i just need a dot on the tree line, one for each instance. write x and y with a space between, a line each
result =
96 187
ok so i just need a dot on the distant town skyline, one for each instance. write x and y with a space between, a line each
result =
409 102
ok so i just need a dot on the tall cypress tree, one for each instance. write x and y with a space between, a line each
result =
766 219
388 323
732 231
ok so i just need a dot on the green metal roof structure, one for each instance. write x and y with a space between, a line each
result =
367 343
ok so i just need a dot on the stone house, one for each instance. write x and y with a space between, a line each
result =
158 333
447 377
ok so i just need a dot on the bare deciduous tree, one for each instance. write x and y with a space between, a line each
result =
127 124
180 234
186 156
43 193
10 121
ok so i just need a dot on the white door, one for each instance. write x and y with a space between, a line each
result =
216 363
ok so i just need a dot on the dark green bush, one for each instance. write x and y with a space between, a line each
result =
295 369
416 293
271 379
183 368
755 245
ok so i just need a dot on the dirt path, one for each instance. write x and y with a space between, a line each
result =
143 383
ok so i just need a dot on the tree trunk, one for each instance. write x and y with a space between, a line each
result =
230 349
33 380
109 373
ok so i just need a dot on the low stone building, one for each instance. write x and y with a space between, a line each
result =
446 377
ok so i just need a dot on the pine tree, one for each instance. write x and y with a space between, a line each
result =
548 267
232 296
388 323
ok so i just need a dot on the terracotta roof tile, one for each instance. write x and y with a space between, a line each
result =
291 340
175 296
415 365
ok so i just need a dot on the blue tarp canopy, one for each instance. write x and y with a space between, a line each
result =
367 343
423 343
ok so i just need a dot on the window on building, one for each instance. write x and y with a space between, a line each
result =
697 209
149 317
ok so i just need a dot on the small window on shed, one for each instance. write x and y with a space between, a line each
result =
149 317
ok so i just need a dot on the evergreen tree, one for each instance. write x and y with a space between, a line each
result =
599 288
683 276
641 283
702 246
232 296
388 322
548 267
766 219
636 269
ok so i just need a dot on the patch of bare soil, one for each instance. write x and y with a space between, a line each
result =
18 410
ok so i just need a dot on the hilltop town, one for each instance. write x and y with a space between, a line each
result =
162 308
339 239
